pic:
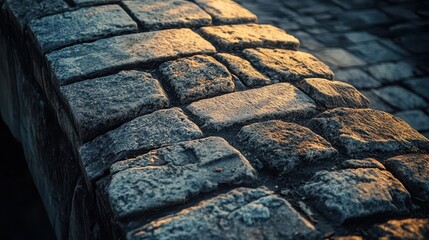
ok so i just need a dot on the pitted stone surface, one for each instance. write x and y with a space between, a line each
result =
197 77
353 193
140 135
90 2
100 104
241 36
227 11
367 131
406 229
82 25
362 163
333 94
244 70
274 101
283 146
400 98
239 214
287 65
78 62
175 174
413 171
162 14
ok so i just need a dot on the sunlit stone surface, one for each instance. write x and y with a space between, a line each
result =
226 11
406 229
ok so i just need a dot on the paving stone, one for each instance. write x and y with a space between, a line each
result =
357 37
405 229
420 86
283 146
239 214
364 18
374 52
140 135
362 163
85 24
93 2
162 14
88 59
357 78
241 36
287 65
340 58
355 4
273 101
367 131
244 70
393 72
413 171
354 193
227 11
308 41
400 97
175 174
416 118
101 104
197 77
375 102
333 94
415 42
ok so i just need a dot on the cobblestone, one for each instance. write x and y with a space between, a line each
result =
416 118
375 102
340 58
420 86
407 229
357 78
400 98
374 52
362 163
227 12
393 72
92 2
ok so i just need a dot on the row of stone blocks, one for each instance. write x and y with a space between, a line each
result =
156 118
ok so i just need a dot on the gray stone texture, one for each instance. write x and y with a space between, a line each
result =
162 14
273 101
392 72
140 135
197 77
333 94
287 65
416 118
362 163
240 214
340 58
227 11
404 229
85 24
93 2
80 61
175 174
420 86
374 52
357 78
244 70
354 193
400 98
413 171
283 146
375 102
241 36
98 105
367 131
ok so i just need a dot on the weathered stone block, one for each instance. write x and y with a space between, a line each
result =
98 105
416 118
420 86
244 70
162 14
82 61
93 2
239 214
362 163
85 24
287 65
175 174
283 146
197 77
333 94
353 193
367 131
400 97
241 36
340 58
357 78
227 11
413 171
406 229
274 101
140 135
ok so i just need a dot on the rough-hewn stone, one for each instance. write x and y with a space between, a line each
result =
400 97
241 36
175 174
98 105
333 94
352 193
287 65
162 14
283 146
244 70
239 214
406 229
140 135
78 62
82 25
274 101
362 163
227 11
367 131
413 171
197 77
